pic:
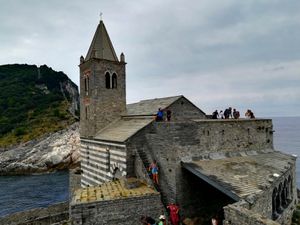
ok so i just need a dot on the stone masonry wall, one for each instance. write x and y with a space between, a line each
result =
100 106
263 203
140 145
238 215
171 142
120 211
183 109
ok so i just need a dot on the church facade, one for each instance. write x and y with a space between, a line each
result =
227 169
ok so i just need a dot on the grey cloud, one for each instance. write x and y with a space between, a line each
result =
244 53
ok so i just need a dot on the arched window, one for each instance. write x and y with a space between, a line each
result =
278 200
274 208
86 85
283 196
107 80
86 112
114 80
290 188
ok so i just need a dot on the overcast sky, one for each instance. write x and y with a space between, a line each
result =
244 54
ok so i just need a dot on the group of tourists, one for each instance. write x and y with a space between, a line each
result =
230 113
160 115
173 219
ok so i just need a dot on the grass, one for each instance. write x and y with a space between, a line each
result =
52 119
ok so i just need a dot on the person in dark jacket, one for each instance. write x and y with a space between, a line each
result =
159 115
215 115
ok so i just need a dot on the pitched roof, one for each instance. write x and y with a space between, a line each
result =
123 129
239 177
101 46
150 106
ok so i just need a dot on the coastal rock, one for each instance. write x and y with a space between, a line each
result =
54 151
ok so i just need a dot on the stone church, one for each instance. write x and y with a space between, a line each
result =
227 169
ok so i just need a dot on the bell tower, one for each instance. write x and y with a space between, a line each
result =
102 84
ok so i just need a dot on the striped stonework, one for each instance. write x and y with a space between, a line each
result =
100 160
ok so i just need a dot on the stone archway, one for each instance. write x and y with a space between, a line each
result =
284 194
290 187
278 200
274 204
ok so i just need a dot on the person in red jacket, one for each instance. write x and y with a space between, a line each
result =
174 214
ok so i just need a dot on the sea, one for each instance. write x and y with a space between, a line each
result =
287 138
18 193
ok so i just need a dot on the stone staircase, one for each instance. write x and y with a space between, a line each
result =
147 160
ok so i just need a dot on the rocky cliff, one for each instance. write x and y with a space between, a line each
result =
56 151
39 108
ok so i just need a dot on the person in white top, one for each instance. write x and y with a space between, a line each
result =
221 114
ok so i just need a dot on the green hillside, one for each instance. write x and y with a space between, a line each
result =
33 101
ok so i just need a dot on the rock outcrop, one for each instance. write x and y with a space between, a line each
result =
56 151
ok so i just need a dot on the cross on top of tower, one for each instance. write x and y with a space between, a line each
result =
101 16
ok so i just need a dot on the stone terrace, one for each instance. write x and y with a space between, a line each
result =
116 202
111 191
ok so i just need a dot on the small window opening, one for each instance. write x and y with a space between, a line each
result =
86 84
114 80
107 80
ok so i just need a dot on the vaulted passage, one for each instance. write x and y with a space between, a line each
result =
201 200
240 177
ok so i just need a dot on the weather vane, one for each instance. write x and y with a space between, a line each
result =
101 16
